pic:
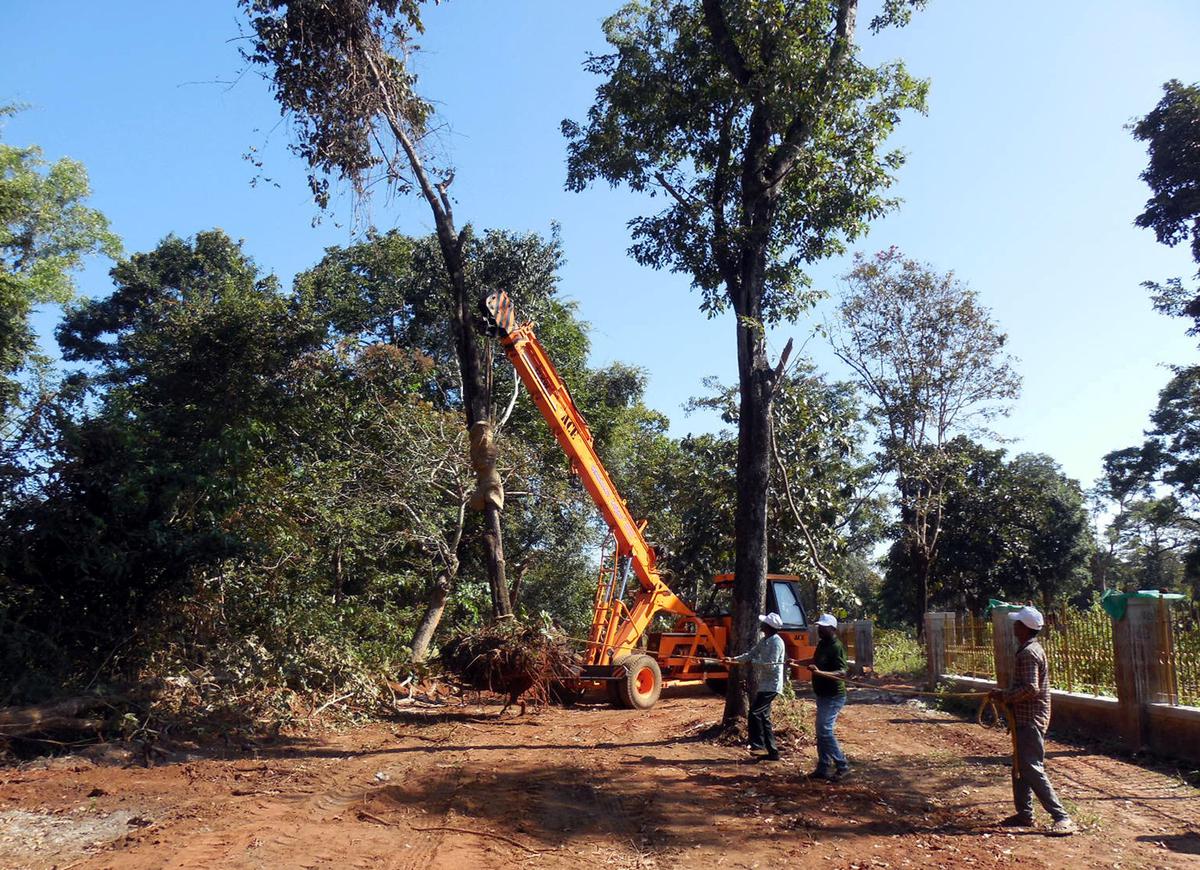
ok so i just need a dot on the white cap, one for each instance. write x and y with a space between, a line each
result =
1030 617
828 619
771 619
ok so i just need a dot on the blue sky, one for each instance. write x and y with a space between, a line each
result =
1022 178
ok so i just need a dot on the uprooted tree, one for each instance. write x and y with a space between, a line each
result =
339 72
764 131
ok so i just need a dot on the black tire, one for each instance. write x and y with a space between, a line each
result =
642 683
719 685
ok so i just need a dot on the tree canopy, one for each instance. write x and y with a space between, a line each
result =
932 364
766 135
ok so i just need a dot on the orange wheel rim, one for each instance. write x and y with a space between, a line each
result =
645 681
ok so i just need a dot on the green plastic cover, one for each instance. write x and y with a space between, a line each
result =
1114 602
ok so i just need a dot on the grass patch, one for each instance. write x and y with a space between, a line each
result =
793 716
898 652
1084 818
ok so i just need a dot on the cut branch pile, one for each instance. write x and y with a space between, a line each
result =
75 717
513 659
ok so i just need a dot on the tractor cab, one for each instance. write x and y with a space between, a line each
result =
680 654
783 597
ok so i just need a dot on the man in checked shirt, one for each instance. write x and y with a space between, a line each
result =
1029 699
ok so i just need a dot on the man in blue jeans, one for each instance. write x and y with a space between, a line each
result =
828 680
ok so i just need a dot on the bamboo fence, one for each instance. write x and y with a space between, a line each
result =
969 651
1079 650
1183 659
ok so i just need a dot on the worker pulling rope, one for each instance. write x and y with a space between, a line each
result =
989 701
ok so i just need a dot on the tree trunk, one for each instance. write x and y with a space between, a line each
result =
476 400
339 575
755 384
494 547
475 404
438 596
924 566
750 518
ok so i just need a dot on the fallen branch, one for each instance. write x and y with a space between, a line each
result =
67 709
51 724
58 716
363 814
330 702
510 840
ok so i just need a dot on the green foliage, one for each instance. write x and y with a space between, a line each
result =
769 106
1016 530
1172 133
688 489
46 231
1153 540
898 652
175 411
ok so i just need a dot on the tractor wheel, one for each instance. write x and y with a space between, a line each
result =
719 685
642 683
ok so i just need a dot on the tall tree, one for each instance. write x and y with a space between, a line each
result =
933 365
392 290
183 362
1169 458
765 132
339 71
46 231
1015 529
1171 132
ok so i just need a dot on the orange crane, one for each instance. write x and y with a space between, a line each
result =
622 654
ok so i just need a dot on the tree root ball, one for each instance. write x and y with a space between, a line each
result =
512 658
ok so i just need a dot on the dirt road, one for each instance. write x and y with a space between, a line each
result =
596 787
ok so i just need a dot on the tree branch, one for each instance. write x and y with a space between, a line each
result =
690 204
800 128
512 403
723 42
787 491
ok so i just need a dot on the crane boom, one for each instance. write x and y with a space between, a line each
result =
615 628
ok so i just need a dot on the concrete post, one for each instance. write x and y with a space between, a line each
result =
864 644
1004 644
935 645
1140 648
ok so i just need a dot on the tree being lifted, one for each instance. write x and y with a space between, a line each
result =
339 71
765 132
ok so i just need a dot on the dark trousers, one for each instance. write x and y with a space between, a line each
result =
761 732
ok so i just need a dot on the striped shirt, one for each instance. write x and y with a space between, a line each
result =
1029 692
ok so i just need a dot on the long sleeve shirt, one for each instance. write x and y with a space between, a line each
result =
767 657
1029 692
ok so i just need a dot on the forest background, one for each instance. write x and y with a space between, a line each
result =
257 484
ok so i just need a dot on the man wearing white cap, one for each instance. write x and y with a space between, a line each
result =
829 669
1028 697
767 656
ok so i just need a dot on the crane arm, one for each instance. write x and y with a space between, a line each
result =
554 402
